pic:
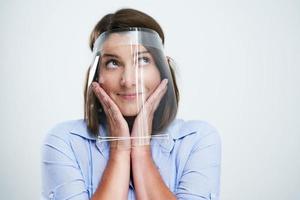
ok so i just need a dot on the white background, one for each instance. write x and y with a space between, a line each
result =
238 68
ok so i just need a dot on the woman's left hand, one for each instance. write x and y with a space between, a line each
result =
142 127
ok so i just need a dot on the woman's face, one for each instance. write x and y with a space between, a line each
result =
128 74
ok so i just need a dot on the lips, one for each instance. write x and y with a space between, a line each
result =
129 96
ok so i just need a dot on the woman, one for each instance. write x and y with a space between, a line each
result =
129 145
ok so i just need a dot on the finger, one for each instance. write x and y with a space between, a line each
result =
99 95
114 110
104 99
111 108
162 92
159 91
158 99
162 86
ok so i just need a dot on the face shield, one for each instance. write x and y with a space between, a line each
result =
130 65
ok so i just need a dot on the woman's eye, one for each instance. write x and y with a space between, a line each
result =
144 61
112 64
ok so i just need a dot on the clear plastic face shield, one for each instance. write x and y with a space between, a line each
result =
135 85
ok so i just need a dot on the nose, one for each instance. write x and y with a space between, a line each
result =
129 76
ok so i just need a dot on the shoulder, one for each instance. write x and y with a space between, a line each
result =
194 141
65 125
65 141
63 131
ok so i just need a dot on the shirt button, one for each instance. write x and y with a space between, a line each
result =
51 195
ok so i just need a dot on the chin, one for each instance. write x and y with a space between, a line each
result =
129 114
129 110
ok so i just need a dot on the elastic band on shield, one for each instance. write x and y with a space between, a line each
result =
120 138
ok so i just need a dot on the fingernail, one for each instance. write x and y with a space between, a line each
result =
94 84
166 81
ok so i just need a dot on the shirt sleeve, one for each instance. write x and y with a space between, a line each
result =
61 176
200 178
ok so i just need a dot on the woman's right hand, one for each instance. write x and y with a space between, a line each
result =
117 125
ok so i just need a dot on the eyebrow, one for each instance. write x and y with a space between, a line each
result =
143 52
116 56
109 55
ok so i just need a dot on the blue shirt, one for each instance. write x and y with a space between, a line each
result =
188 161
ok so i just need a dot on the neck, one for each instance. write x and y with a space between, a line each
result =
130 121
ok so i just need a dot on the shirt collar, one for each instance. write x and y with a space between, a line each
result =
176 130
80 128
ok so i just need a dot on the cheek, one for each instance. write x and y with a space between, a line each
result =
153 79
108 82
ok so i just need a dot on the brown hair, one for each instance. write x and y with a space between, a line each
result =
125 18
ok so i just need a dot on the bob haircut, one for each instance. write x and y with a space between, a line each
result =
125 18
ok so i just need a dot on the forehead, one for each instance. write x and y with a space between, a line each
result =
122 41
